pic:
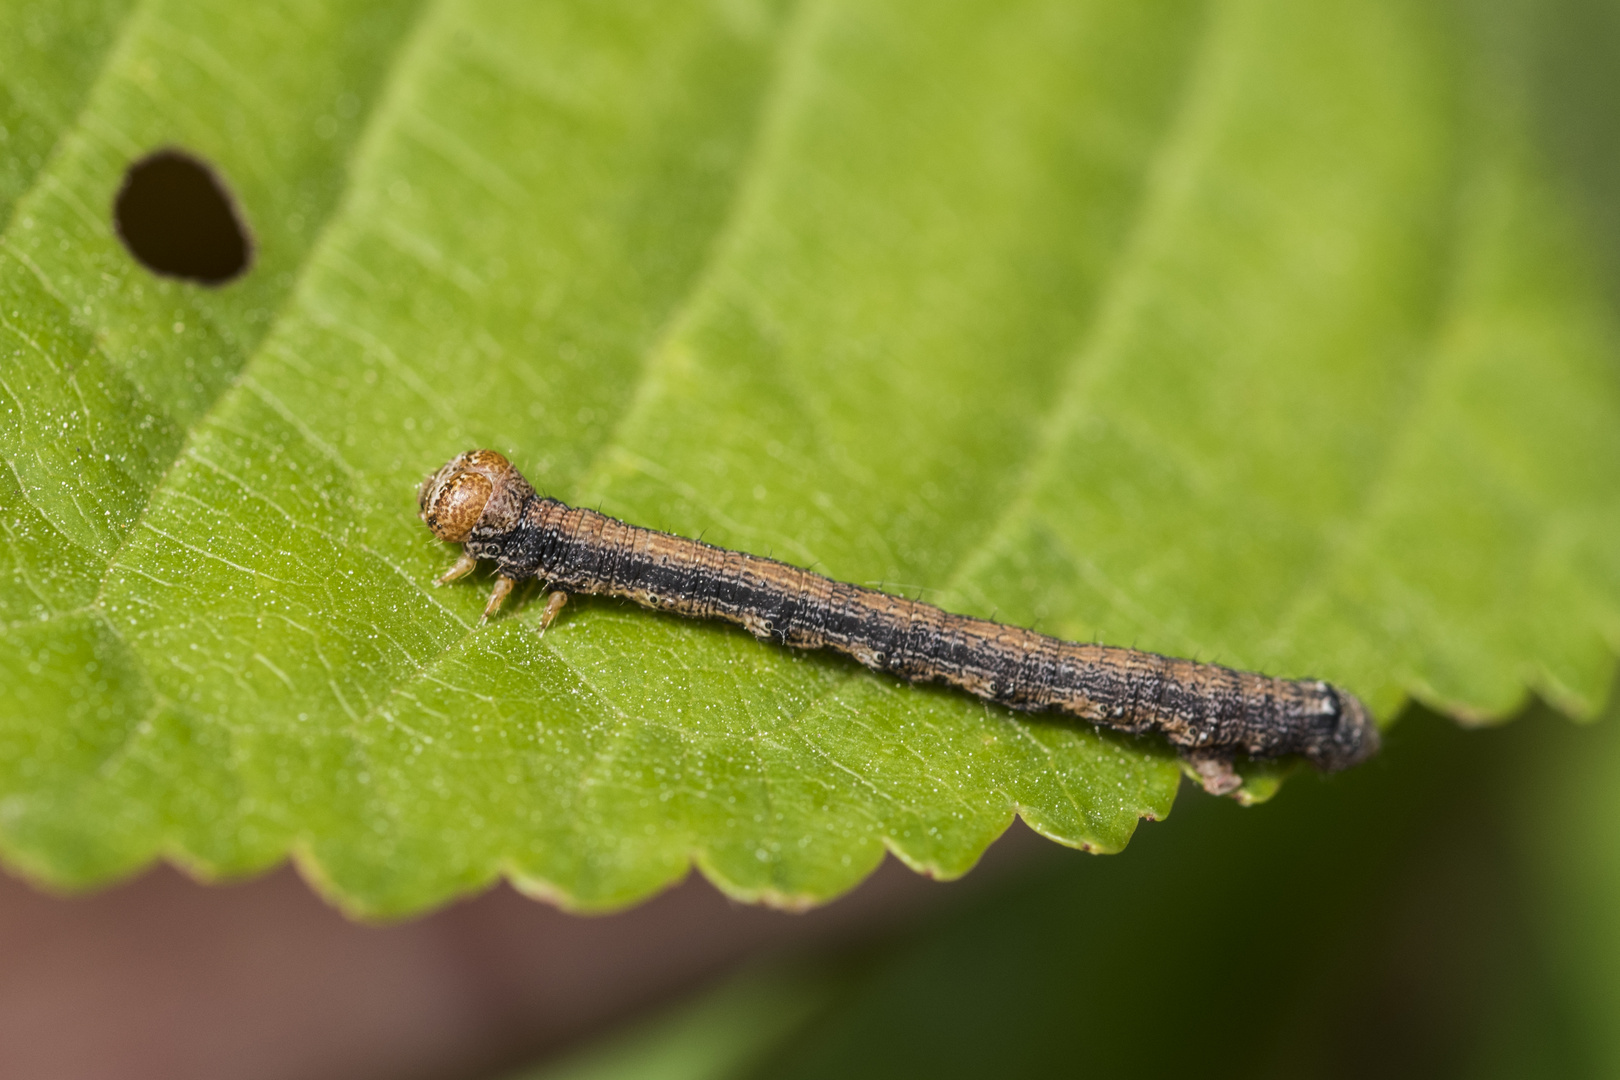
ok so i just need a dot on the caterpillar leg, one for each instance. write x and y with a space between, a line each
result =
1214 771
554 604
464 566
497 596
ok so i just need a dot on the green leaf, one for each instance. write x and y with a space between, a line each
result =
1252 331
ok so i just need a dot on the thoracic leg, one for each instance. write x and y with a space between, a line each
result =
464 566
554 604
497 595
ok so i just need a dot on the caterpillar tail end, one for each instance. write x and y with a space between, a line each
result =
1352 738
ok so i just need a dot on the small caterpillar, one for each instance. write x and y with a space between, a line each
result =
1208 712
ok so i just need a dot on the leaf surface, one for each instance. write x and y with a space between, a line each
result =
1245 330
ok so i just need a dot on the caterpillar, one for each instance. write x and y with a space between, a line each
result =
1209 713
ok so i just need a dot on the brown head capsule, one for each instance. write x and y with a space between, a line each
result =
451 505
478 486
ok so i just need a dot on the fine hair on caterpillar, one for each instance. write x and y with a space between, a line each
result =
1210 713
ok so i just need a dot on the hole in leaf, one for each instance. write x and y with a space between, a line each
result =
177 219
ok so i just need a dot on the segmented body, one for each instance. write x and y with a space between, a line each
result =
1204 709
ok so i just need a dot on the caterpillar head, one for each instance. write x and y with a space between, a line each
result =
477 488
